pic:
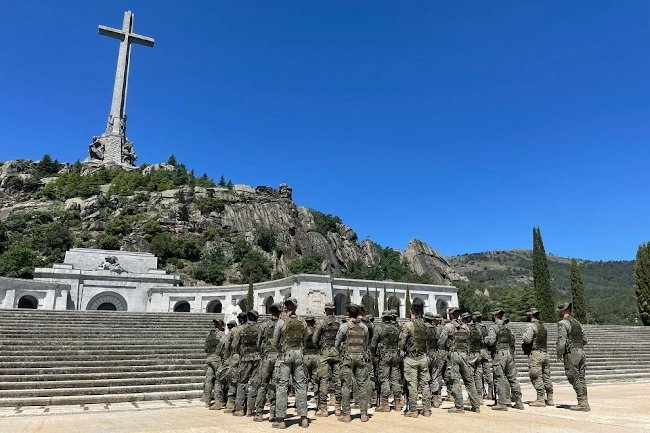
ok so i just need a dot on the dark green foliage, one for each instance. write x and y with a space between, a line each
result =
348 300
230 185
222 182
368 302
408 301
255 266
212 268
240 249
151 228
310 264
73 184
163 246
385 300
325 223
205 182
127 183
52 240
3 237
172 160
108 242
188 248
578 294
642 282
267 239
391 267
471 298
120 226
18 261
376 306
46 167
542 279
250 295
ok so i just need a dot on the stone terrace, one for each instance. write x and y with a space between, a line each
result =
84 357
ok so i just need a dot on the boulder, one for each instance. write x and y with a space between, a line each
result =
423 259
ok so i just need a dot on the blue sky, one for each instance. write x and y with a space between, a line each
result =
463 124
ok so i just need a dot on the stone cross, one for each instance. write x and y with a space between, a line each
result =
113 146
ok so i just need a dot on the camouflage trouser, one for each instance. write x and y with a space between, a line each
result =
212 386
439 372
505 373
461 370
290 364
575 367
354 370
485 365
329 374
390 375
477 372
434 373
539 369
416 374
227 375
248 384
267 367
312 362
370 380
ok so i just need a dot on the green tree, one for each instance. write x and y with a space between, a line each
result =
325 223
212 268
108 242
368 303
385 299
267 239
119 226
255 267
376 306
249 296
310 264
642 282
348 300
172 160
408 302
578 293
222 182
18 261
46 167
542 279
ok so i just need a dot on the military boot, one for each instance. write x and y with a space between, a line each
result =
435 403
519 404
365 418
304 422
498 406
412 414
258 418
399 404
230 405
539 402
279 423
332 401
322 410
239 413
490 393
337 408
583 405
345 418
426 413
383 406
549 399
450 397
456 410
217 405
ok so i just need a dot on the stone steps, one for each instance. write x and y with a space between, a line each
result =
38 376
23 386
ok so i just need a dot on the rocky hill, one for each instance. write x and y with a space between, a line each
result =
210 233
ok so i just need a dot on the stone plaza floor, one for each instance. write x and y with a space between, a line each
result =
615 407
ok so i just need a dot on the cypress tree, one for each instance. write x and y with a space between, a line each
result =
407 309
368 305
542 279
348 300
249 295
578 294
386 307
642 282
376 303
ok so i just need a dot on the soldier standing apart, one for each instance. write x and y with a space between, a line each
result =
570 343
475 355
456 337
539 365
289 336
267 364
245 343
413 341
352 343
384 347
311 356
498 339
485 364
212 363
330 362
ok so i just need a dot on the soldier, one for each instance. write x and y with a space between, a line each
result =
231 360
352 342
457 333
245 343
328 372
499 340
267 364
311 355
570 343
432 353
475 356
384 347
539 366
484 365
370 380
212 363
441 364
289 336
413 341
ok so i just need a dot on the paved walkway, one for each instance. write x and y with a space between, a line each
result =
615 408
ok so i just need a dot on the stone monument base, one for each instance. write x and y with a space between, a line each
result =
112 148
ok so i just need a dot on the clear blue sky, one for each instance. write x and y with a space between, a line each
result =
463 124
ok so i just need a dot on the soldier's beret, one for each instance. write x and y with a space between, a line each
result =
565 306
452 310
429 315
387 313
532 312
330 306
232 324
217 321
310 319
477 314
498 312
291 300
241 315
275 306
437 316
253 314
465 316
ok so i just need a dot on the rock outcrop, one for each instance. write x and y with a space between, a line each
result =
425 260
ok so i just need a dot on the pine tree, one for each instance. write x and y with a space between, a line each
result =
249 295
578 294
408 302
542 279
642 282
222 182
348 300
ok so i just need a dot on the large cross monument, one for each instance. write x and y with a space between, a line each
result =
113 146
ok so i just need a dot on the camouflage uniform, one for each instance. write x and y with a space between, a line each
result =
211 385
534 344
384 346
330 362
570 348
484 361
458 363
311 360
267 366
352 343
499 340
432 353
370 370
441 374
289 335
475 357
228 371
245 343
413 341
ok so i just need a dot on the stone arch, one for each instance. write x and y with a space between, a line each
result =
267 304
182 307
366 300
339 304
441 307
242 304
214 306
419 301
393 303
28 301
106 299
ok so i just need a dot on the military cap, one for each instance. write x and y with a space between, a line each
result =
437 316
477 314
362 308
532 312
465 316
275 306
253 313
453 310
352 304
232 324
387 313
291 300
498 312
330 306
242 315
310 319
429 315
564 306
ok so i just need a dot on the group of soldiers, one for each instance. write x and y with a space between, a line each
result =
252 364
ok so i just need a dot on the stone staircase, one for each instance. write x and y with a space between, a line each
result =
83 357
